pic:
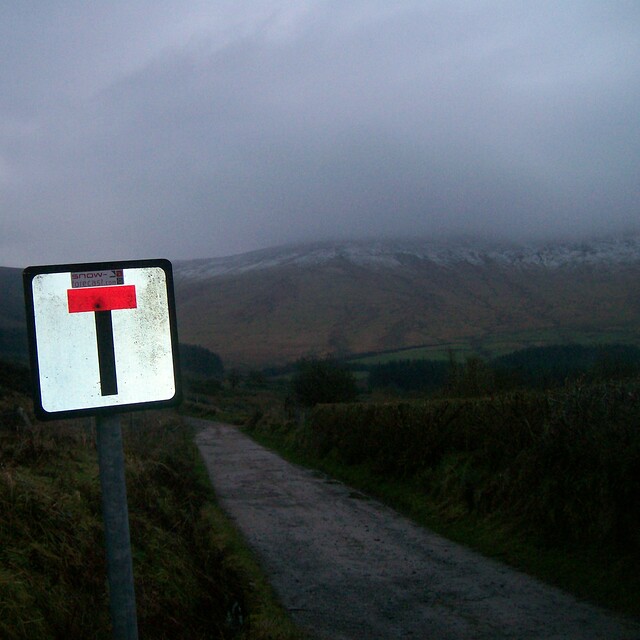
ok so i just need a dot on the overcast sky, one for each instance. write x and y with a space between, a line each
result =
184 129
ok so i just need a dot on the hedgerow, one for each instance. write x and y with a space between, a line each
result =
564 463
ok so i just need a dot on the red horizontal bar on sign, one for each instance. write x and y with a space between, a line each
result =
102 298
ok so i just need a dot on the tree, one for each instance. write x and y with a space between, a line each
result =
474 378
199 361
409 375
234 378
323 381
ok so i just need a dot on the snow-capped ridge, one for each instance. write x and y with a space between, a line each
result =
391 254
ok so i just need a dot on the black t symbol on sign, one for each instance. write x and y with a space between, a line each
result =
106 354
102 301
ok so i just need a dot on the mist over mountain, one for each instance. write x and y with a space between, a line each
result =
223 127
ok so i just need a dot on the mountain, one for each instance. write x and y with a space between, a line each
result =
275 305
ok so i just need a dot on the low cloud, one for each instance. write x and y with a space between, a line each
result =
200 132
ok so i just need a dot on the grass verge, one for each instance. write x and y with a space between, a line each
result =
193 578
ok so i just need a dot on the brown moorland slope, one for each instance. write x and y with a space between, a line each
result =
276 311
274 306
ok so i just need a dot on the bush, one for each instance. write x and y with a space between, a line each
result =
323 381
409 375
564 463
200 362
552 366
15 377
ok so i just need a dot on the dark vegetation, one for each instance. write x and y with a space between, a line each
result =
409 375
545 367
199 362
202 370
192 578
531 368
52 569
322 381
565 463
13 344
14 377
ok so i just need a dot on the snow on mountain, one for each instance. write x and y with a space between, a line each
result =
399 253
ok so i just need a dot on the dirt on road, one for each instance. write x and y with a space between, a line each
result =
346 567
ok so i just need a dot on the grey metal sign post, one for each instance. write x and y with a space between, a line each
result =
122 597
103 340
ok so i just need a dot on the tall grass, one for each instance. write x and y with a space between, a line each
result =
566 463
52 565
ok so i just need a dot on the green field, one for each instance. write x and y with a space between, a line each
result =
497 345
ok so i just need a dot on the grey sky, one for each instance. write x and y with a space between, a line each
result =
198 129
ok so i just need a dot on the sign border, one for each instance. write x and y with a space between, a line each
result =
31 272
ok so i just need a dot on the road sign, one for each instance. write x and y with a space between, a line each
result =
102 337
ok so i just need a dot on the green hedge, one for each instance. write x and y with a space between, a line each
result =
565 464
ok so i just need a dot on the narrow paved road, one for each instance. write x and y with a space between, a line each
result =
349 568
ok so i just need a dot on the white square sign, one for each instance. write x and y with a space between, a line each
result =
102 337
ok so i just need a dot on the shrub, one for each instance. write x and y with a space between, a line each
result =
564 463
200 362
409 375
323 381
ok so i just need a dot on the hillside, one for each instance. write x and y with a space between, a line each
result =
13 337
276 305
12 307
